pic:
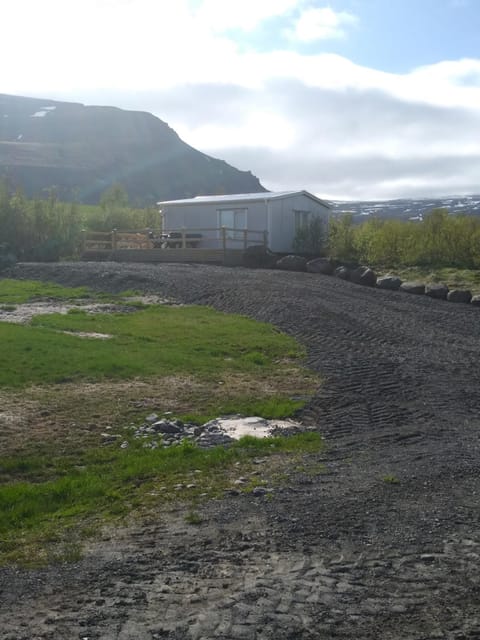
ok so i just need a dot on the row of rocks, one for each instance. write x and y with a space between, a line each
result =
367 277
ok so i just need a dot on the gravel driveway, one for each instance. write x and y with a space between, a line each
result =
385 543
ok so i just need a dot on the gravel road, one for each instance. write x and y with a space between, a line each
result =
345 554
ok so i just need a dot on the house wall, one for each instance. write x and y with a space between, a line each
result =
205 219
282 219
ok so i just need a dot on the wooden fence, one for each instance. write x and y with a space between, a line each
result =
214 244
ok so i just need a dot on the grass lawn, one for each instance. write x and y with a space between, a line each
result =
59 391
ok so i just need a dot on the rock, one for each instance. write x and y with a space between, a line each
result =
459 295
436 290
259 491
475 300
343 273
164 426
392 283
292 263
258 256
364 276
320 265
417 288
151 418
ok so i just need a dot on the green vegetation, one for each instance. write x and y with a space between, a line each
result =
391 479
441 240
20 291
47 229
70 499
193 340
59 480
310 238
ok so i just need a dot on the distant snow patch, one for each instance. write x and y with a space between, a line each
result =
39 114
19 137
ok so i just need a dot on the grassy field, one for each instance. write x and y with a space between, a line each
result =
59 391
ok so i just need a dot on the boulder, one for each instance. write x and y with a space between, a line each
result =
343 273
475 300
364 276
258 256
292 263
417 288
320 265
392 283
436 290
459 295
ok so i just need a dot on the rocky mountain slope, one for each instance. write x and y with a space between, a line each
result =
82 150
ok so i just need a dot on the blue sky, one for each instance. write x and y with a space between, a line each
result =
391 35
349 99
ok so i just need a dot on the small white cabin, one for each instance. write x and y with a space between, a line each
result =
245 219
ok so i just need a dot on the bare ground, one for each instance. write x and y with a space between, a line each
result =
385 543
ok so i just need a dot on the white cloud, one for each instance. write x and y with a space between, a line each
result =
221 15
322 24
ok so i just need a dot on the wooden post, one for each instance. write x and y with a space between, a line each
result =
114 240
265 239
184 239
245 239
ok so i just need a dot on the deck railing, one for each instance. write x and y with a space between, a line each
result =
224 238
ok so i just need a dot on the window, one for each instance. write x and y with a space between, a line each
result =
302 218
234 220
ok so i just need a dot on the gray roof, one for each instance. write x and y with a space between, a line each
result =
243 197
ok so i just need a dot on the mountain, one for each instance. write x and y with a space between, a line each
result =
407 209
82 150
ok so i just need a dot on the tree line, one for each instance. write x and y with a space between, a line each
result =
47 229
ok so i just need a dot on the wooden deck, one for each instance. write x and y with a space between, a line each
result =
229 257
175 246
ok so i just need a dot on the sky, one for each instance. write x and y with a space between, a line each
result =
348 99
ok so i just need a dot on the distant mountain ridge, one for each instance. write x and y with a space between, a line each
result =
407 208
82 150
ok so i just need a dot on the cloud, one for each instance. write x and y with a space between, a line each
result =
321 24
246 15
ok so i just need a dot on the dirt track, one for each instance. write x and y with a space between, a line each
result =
343 555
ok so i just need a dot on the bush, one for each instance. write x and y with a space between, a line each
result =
310 238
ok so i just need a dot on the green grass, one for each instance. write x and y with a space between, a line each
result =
273 408
147 342
61 488
391 479
107 483
21 291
